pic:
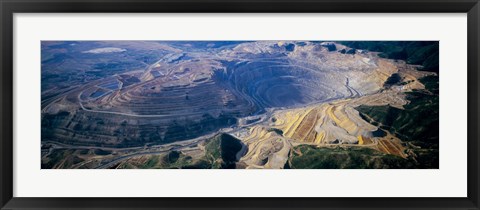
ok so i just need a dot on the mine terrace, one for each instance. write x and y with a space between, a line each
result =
252 104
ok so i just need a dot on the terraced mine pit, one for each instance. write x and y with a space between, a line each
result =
265 104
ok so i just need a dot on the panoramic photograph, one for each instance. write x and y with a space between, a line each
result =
279 104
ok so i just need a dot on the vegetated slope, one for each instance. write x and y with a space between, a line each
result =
61 158
417 122
70 158
219 152
413 52
417 125
311 157
170 160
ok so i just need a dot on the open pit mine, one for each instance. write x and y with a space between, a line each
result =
239 105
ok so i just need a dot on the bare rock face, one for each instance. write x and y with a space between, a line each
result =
187 94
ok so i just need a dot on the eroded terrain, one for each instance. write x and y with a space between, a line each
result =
265 104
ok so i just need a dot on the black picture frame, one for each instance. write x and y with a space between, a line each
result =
9 7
